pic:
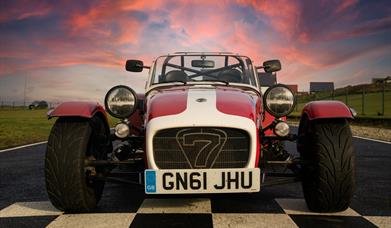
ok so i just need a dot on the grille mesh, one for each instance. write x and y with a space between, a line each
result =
201 147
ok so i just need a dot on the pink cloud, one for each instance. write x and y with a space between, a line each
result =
97 22
201 18
24 9
346 4
284 14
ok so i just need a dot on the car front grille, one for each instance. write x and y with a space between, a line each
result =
201 147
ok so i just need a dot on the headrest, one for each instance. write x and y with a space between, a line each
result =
175 75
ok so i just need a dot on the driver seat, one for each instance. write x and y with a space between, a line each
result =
175 75
231 75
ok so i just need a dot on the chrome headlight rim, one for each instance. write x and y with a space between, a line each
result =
278 131
114 114
122 133
278 115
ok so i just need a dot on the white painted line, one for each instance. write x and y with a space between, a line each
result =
24 146
28 145
375 140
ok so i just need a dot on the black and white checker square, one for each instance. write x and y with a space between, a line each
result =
190 212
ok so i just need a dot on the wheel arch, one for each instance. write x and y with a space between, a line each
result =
85 110
326 110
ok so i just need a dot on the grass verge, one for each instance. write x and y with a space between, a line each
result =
21 126
372 107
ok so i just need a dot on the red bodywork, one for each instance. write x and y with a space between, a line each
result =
80 109
326 109
231 101
237 102
167 102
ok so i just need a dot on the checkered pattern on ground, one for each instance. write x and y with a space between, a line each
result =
189 212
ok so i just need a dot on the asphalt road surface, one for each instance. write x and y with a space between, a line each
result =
24 203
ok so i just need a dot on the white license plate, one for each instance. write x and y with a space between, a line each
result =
201 181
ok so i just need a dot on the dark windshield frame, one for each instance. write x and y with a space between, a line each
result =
243 62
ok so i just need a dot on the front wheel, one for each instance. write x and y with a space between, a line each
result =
328 169
71 142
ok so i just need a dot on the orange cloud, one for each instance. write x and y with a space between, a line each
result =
284 14
98 21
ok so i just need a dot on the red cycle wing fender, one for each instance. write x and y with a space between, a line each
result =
326 109
81 109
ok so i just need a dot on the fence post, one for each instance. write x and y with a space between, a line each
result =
332 94
363 101
346 95
383 92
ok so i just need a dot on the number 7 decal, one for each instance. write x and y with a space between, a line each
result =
201 146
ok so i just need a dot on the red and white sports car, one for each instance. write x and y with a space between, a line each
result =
203 126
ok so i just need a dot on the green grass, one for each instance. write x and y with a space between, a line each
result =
21 126
372 101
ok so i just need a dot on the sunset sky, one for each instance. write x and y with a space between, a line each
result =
76 50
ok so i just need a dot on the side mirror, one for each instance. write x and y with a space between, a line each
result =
272 66
134 65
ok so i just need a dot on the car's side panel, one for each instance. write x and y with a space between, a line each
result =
267 120
77 109
326 109
136 120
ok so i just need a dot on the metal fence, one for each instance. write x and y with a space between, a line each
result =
367 100
10 104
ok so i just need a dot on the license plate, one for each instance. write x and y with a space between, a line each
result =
201 181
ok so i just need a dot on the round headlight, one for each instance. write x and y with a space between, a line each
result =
121 130
279 100
121 101
281 129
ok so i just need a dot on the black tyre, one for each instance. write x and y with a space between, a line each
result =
71 142
328 171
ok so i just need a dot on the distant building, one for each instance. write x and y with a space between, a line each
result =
267 79
381 80
294 88
321 86
302 93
